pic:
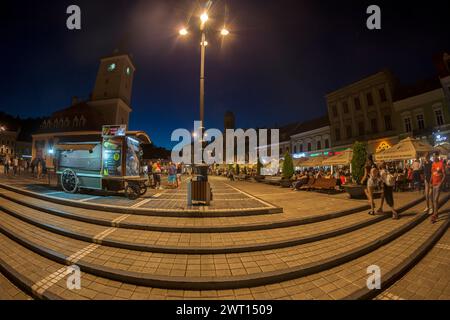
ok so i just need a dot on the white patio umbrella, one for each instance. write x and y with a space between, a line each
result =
406 149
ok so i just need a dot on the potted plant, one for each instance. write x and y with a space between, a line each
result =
356 190
288 171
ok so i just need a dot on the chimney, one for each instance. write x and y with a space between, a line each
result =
74 100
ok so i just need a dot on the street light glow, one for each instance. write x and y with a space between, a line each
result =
183 32
224 32
204 17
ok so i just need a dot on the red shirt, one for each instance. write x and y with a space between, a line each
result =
437 173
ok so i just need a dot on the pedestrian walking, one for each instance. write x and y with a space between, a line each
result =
157 175
7 165
370 179
388 181
171 174
15 165
416 167
437 179
179 174
427 181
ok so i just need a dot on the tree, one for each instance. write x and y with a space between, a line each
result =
358 160
288 166
258 167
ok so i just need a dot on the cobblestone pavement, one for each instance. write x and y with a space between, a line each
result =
429 279
9 291
319 247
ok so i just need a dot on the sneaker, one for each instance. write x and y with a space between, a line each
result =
426 209
395 215
430 211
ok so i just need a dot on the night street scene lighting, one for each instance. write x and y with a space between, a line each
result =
233 158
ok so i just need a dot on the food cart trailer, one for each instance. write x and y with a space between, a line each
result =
114 163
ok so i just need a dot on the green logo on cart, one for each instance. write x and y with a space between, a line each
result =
116 157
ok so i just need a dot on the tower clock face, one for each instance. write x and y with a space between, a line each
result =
111 67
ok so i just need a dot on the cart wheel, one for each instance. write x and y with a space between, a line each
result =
69 181
132 191
143 190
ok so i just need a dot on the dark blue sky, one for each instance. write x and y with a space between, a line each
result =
280 60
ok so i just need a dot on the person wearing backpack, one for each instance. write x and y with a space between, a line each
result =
388 180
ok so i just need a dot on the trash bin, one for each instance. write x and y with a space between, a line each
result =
201 172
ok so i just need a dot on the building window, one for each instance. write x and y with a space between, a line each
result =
408 127
348 129
374 125
387 122
327 144
361 128
309 146
369 99
319 145
357 103
420 122
439 117
345 106
382 95
337 133
295 149
334 110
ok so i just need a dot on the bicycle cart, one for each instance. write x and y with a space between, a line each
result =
112 164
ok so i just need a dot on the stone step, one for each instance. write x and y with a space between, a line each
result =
181 225
336 283
219 271
193 243
9 291
429 279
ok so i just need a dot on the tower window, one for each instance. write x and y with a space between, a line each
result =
327 144
319 145
112 67
309 146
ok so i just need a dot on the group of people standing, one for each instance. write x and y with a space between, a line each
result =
434 176
156 169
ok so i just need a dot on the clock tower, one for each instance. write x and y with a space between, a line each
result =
113 88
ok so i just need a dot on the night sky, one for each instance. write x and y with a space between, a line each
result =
279 61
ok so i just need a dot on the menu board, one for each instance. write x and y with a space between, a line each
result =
112 157
114 130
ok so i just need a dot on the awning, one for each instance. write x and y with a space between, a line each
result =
343 159
443 148
75 146
312 162
406 149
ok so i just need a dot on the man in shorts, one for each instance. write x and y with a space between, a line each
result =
437 179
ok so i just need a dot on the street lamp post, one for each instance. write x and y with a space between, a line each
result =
183 32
